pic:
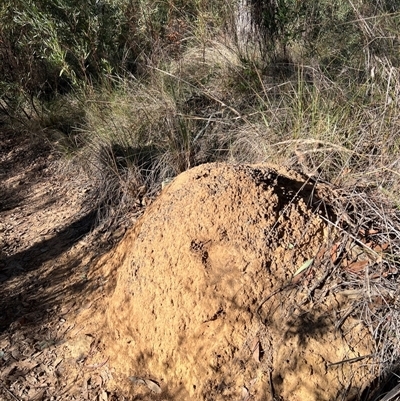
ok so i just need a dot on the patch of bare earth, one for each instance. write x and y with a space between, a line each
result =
222 291
45 254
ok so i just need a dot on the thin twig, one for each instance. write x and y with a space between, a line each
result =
351 360
284 287
392 393
315 142
271 386
9 392
355 239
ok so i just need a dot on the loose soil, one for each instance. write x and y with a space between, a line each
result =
47 244
200 300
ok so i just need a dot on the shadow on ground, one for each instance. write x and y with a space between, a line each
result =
23 159
28 293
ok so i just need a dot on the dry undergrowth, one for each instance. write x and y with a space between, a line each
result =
324 102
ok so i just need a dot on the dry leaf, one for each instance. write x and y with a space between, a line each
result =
381 247
245 394
153 386
357 267
304 266
255 349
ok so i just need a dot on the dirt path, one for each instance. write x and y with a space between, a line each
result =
45 220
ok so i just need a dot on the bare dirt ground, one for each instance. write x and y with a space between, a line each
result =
47 222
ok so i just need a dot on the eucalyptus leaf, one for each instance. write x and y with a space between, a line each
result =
304 266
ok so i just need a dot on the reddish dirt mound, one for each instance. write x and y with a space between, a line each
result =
204 304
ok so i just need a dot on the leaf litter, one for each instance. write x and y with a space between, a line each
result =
41 223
